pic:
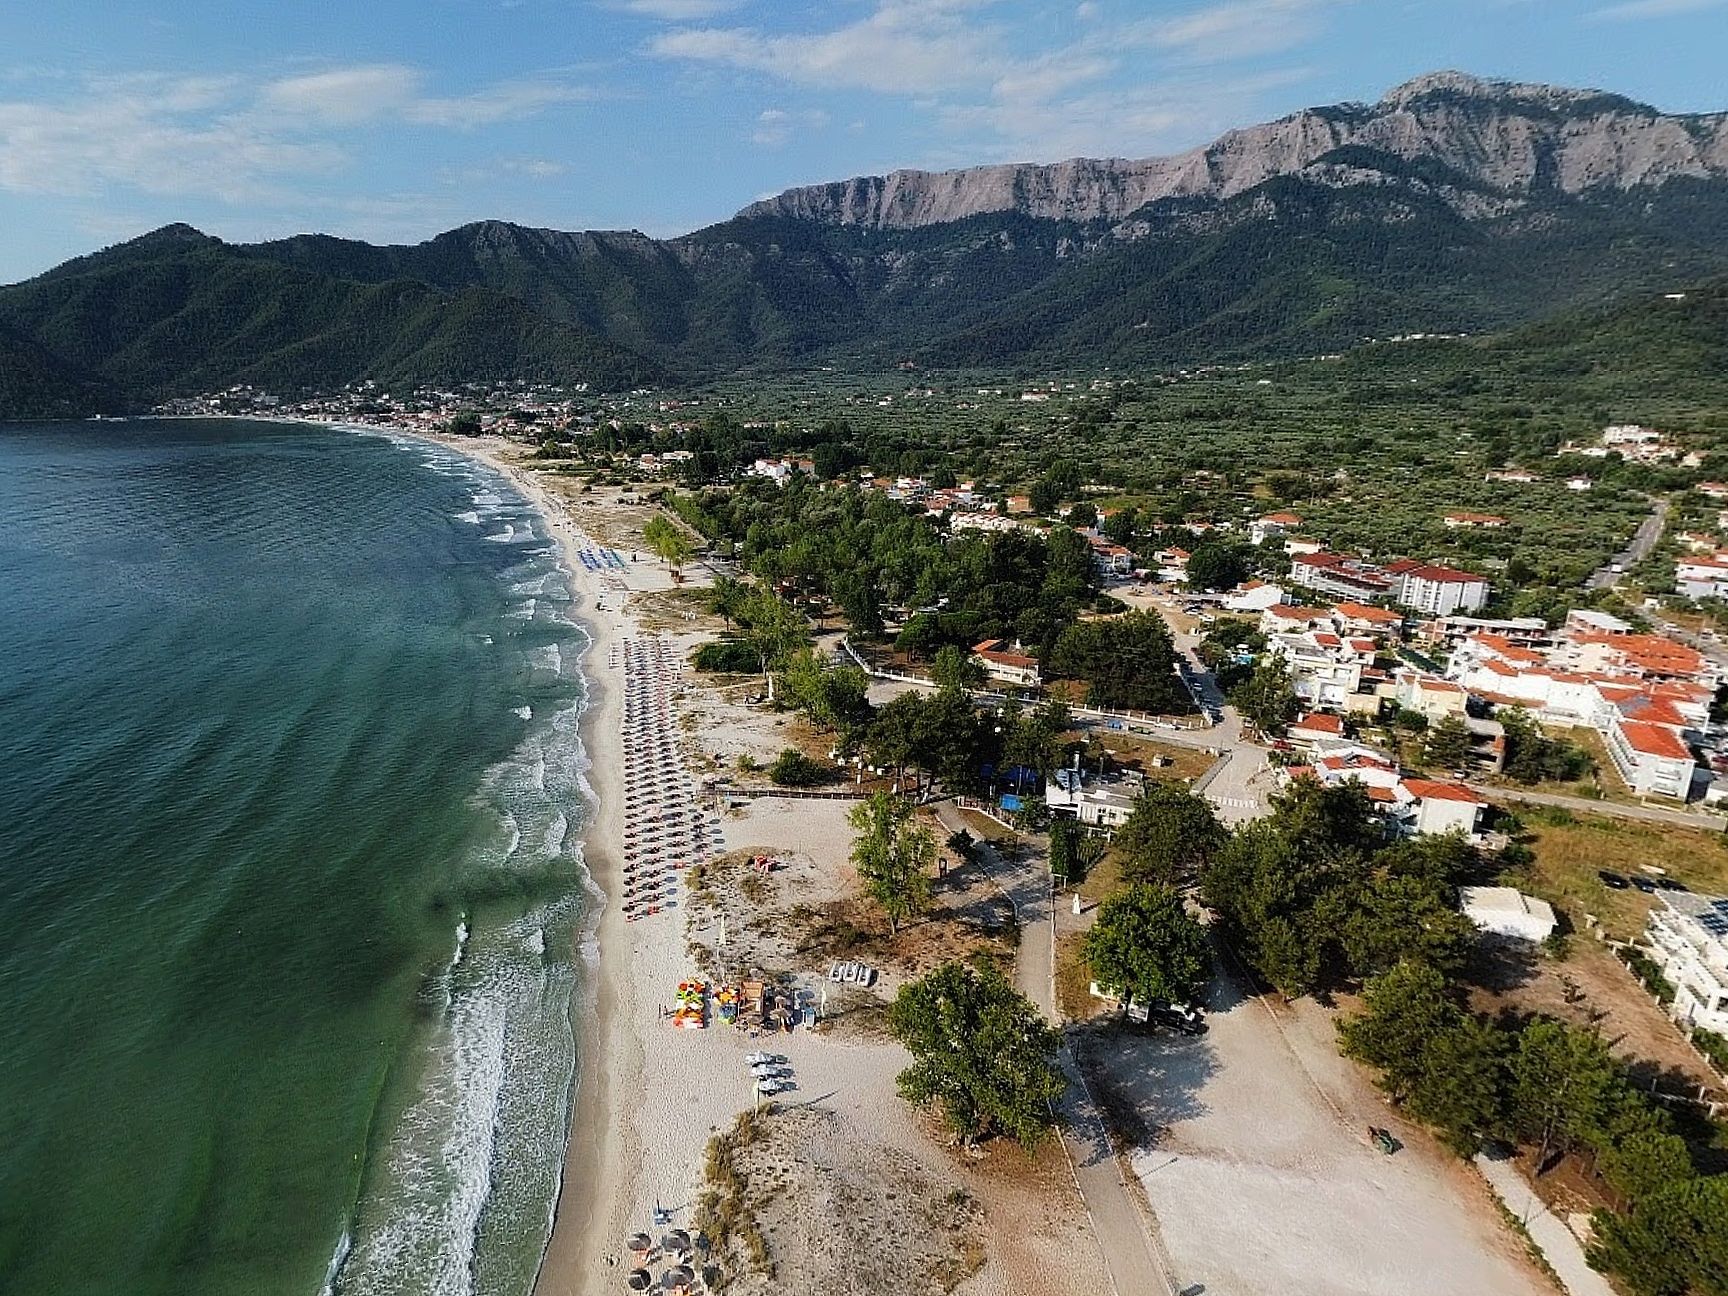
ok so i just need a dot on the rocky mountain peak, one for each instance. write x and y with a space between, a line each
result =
1503 135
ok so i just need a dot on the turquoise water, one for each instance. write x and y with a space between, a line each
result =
289 791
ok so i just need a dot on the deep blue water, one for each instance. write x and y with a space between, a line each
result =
289 791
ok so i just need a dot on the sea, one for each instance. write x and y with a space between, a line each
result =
292 935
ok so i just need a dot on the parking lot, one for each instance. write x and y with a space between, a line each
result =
1263 1179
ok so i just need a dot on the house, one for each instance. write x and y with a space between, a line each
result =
1285 618
1438 591
1705 577
1325 668
1472 521
1340 576
1111 559
1254 596
1172 565
1652 759
1688 939
1273 524
1013 668
1316 728
1430 695
1448 631
1365 618
1578 483
1506 911
1519 476
1102 803
1440 806
1715 490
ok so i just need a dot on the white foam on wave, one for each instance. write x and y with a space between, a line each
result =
469 516
486 497
505 536
522 712
338 1258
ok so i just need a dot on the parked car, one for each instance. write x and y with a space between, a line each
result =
1644 884
1612 880
1671 884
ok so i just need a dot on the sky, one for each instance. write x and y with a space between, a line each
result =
391 120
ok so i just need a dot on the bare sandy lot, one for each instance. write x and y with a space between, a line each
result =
1263 1179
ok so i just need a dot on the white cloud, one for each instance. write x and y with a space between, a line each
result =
1639 9
225 138
160 135
678 10
345 96
1087 10
352 96
1236 30
904 47
776 126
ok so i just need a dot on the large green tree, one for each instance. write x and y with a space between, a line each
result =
894 855
980 1052
1127 662
666 539
1170 836
1266 699
1146 945
955 668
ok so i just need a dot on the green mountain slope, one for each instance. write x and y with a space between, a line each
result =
176 312
1453 205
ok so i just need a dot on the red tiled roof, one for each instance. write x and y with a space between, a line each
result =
1320 723
1653 740
1436 790
1367 612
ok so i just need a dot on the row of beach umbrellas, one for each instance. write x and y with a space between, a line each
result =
665 830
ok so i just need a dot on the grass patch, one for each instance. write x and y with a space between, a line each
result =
1074 980
1569 849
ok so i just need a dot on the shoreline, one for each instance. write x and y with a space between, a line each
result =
594 1180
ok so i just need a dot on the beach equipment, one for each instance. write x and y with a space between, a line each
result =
677 1243
638 1280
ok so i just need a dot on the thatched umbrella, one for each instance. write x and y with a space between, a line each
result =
680 1278
639 1280
677 1242
640 1244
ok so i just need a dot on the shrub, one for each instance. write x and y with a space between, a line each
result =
1714 1047
728 657
792 768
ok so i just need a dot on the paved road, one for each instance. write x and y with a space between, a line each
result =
1643 541
1610 809
1124 1240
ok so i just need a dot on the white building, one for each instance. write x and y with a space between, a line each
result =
1506 911
1704 577
1101 803
1443 807
1007 667
1438 591
1651 758
1689 940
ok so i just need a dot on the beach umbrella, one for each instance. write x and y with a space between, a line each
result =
677 1242
679 1278
639 1280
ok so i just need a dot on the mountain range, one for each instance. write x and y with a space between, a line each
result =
1452 204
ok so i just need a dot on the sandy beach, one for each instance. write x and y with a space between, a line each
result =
649 1097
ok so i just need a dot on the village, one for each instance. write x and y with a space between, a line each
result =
1482 743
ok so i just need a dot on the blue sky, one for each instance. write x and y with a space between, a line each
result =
394 119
